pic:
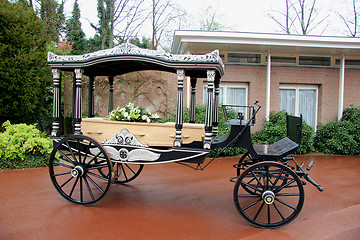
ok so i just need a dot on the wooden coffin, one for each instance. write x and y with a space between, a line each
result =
153 134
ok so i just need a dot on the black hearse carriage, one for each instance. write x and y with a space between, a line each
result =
268 189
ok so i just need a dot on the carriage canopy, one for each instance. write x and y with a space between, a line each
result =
127 58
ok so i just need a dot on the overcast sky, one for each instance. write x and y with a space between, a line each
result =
239 15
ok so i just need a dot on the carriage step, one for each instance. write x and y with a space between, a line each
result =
310 165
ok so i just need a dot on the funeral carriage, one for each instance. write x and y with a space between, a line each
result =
269 182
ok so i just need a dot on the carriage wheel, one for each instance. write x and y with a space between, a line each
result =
127 172
74 167
272 203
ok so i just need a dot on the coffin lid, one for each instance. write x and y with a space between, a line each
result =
127 58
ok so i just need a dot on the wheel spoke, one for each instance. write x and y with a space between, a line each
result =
61 174
81 191
95 157
287 194
89 189
78 150
277 178
260 208
66 157
286 204
123 170
72 153
249 185
284 186
98 176
247 195
257 179
62 164
73 187
86 153
97 167
94 183
127 165
66 182
252 204
278 210
268 212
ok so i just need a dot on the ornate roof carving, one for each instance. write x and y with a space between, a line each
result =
126 49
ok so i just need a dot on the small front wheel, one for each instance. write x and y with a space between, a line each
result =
276 197
127 172
74 167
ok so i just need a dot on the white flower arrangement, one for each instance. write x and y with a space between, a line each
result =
133 114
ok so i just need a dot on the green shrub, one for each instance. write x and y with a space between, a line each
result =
340 137
351 114
222 128
23 145
275 129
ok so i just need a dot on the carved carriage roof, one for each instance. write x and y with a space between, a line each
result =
127 57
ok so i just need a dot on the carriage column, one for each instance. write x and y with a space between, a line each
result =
111 93
193 100
215 122
77 109
179 108
91 97
209 109
56 104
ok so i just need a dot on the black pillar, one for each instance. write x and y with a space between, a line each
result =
55 132
91 97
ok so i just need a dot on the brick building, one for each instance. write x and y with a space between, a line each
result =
310 75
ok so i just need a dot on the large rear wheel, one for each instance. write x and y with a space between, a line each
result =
75 166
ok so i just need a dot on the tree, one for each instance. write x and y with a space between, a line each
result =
25 78
74 33
118 20
299 16
52 14
144 43
211 20
163 14
351 19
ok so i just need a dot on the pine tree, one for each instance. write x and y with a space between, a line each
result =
74 33
52 14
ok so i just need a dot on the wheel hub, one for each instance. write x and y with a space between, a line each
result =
78 171
268 197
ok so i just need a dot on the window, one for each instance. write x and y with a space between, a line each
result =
314 61
282 59
231 93
244 58
299 99
348 62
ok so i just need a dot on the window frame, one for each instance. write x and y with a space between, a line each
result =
297 88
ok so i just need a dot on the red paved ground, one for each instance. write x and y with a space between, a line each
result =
170 201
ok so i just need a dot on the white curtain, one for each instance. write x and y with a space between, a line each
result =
236 96
287 100
307 105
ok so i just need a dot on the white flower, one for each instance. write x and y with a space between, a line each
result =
126 114
144 117
154 115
